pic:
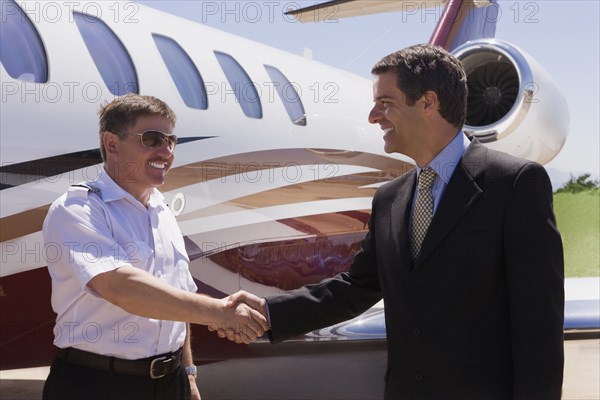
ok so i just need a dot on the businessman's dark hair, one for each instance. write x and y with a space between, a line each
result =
423 68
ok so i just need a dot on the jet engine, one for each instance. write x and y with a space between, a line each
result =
513 104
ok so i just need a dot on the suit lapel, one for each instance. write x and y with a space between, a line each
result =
460 194
400 216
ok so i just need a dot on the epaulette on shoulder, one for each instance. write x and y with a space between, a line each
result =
82 190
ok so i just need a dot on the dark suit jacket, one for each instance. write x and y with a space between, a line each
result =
479 315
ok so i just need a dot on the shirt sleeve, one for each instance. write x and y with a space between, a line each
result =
79 229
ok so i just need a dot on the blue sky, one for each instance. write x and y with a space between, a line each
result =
563 36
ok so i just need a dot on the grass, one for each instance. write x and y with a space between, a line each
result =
578 219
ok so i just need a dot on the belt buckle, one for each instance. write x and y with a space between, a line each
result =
152 364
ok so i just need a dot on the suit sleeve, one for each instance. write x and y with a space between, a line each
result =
535 276
334 300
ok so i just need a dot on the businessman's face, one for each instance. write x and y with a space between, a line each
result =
400 122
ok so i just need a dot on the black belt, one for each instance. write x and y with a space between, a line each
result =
155 367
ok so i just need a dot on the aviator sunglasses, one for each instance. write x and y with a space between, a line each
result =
154 139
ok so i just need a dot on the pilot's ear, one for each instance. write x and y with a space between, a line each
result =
110 141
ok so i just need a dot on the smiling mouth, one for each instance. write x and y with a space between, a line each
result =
157 165
387 130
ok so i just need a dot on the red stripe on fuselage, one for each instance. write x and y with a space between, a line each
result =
444 28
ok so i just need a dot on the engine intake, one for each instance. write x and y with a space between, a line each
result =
493 90
513 105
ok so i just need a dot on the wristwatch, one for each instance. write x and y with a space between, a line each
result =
192 371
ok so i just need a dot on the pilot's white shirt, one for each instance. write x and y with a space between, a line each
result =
86 234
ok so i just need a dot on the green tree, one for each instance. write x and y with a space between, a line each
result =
579 184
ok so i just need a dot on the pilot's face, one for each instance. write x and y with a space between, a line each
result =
141 169
400 122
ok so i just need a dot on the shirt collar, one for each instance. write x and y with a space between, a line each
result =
446 161
111 191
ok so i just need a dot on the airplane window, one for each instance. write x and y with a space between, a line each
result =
183 71
21 49
109 55
244 89
288 95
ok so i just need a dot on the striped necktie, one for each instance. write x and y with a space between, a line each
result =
423 211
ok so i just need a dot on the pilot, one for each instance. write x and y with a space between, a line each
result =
122 289
463 249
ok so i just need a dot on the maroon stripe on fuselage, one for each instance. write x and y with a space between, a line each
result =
290 264
444 28
26 328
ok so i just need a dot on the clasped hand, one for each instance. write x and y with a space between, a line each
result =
244 318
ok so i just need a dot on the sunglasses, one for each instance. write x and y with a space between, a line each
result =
154 139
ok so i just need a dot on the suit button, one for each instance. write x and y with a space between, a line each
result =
418 377
416 331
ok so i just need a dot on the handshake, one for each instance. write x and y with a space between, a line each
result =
243 318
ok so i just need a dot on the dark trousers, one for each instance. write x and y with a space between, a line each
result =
69 381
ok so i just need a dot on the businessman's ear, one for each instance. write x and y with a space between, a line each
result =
429 101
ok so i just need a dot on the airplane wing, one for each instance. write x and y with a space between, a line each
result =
332 10
450 32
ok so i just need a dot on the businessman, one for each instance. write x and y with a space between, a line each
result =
463 249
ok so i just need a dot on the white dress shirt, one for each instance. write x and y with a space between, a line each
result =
95 232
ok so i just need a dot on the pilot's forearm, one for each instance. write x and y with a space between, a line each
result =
143 294
188 361
187 357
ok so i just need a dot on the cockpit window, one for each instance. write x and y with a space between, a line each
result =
187 79
21 49
288 95
244 89
109 55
